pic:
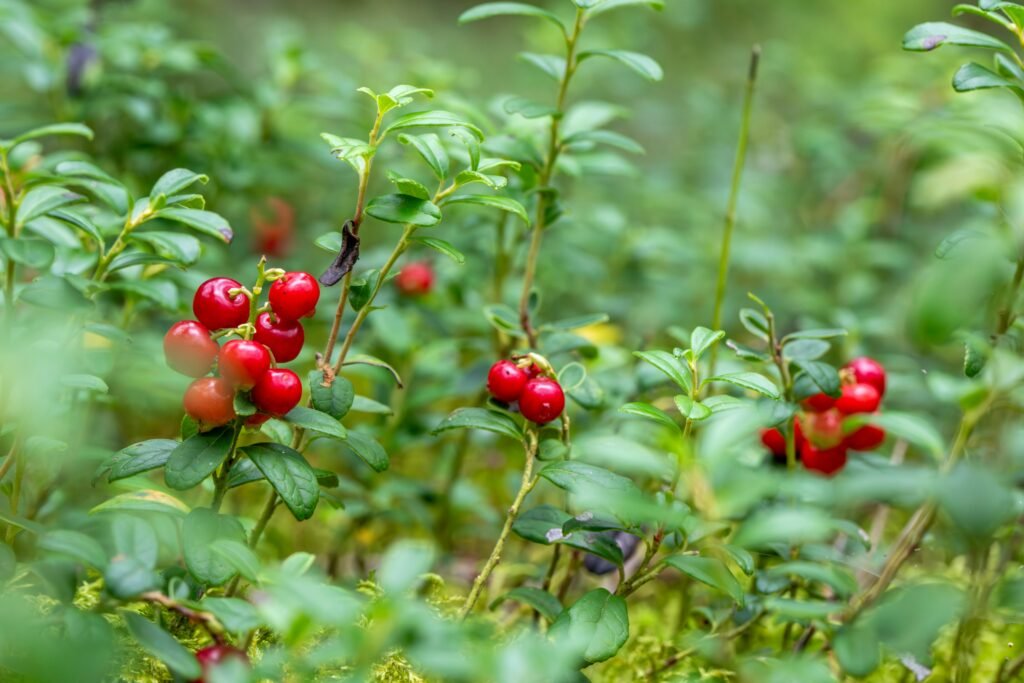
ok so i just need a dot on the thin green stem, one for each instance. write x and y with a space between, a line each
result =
734 192
220 478
261 523
11 203
529 480
544 180
15 497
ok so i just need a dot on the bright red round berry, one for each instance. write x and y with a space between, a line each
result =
284 338
858 398
243 362
217 309
189 349
819 402
506 380
210 401
277 392
828 461
868 371
294 296
542 400
823 430
214 655
866 438
774 441
415 279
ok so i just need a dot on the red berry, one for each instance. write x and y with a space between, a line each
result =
868 371
277 392
823 430
243 362
415 279
774 441
217 309
214 655
256 420
506 380
866 438
542 400
825 460
858 398
294 296
189 349
210 401
818 403
284 338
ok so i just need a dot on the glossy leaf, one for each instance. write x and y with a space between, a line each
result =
480 418
442 247
596 625
141 457
546 604
491 201
368 450
710 571
195 458
931 35
316 421
291 476
336 399
405 209
638 62
200 530
497 9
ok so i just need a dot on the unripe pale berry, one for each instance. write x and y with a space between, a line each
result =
189 349
210 401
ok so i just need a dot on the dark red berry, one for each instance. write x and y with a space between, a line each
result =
858 398
774 441
243 362
277 392
827 461
415 279
217 309
542 400
214 655
210 401
866 438
256 420
818 403
284 338
823 430
868 371
189 349
294 296
506 380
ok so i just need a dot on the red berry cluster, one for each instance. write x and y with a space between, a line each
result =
822 442
245 364
540 397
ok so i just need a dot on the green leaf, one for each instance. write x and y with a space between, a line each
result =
546 604
468 177
749 380
579 477
529 109
162 645
409 186
79 129
710 571
430 148
441 246
183 249
576 322
85 383
54 293
669 365
545 525
238 555
133 536
638 62
335 400
480 418
838 578
754 322
363 404
371 452
974 76
289 474
197 457
588 138
722 402
317 421
496 9
551 65
403 565
173 182
200 530
206 222
596 625
141 457
650 412
329 241
608 5
238 616
801 610
491 201
824 376
42 200
434 119
403 208
75 545
694 410
743 559
126 578
83 224
932 35
34 253
143 501
702 339
788 525
911 428
805 349
502 318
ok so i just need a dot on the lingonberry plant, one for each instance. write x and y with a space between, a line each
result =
413 448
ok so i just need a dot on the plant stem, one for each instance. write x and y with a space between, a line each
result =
220 478
734 191
11 203
528 482
544 180
261 523
15 497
